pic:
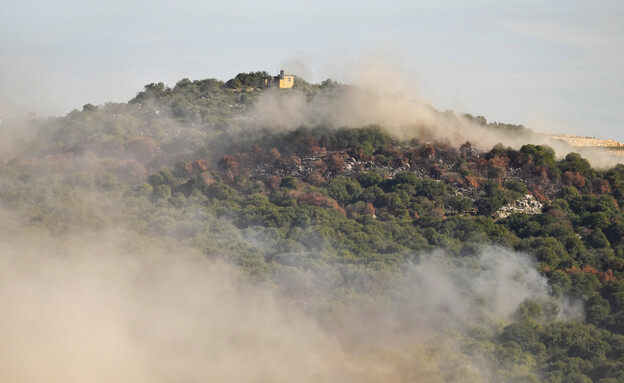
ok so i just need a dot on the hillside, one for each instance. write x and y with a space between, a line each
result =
352 252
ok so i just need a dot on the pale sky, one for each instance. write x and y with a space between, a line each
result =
553 66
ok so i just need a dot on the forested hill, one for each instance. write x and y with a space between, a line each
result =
350 223
162 125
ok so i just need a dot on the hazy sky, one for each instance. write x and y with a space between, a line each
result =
555 65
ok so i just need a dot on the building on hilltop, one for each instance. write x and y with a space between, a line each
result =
282 80
285 81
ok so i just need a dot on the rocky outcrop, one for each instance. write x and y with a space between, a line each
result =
527 204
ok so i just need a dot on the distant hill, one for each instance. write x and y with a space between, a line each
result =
615 147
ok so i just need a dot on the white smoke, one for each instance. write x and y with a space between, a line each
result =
384 95
102 307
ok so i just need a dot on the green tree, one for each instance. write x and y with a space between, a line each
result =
343 189
368 179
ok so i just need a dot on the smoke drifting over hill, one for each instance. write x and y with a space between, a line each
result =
102 307
381 94
192 276
86 312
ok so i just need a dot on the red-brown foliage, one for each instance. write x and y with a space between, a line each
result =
540 172
307 146
602 187
195 168
452 178
472 182
257 154
206 179
573 179
288 160
229 167
335 162
255 148
537 193
272 182
517 159
428 152
499 161
603 277
316 198
314 178
482 165
361 156
275 154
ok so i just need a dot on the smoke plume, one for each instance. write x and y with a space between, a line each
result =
113 306
80 311
382 94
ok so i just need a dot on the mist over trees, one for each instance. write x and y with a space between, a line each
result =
403 250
